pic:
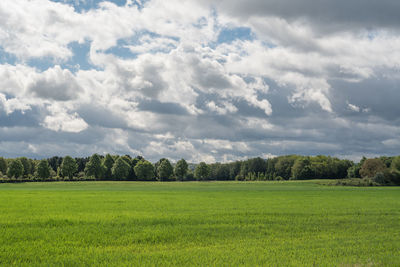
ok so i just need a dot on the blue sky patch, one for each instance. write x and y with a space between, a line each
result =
228 35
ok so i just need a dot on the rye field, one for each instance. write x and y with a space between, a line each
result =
198 223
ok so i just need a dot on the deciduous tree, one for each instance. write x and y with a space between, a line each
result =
181 169
43 169
68 167
15 169
371 167
108 163
3 165
144 170
202 171
165 170
94 167
120 169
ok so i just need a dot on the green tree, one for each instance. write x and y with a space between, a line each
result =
27 166
94 167
181 169
43 169
3 165
202 171
165 170
15 169
371 167
353 171
395 165
120 169
108 163
283 166
144 170
68 167
301 169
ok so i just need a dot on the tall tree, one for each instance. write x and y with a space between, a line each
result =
144 170
165 170
43 169
15 169
55 162
181 169
27 165
202 171
94 167
120 169
3 165
108 163
68 167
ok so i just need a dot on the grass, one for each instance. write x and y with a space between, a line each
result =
216 223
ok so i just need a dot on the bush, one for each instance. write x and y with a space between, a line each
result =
356 182
379 178
189 176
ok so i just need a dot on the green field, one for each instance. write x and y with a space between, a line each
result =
210 223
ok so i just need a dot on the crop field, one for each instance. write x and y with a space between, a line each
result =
209 223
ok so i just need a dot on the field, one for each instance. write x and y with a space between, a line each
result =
210 223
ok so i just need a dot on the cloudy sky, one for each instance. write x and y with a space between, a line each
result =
200 79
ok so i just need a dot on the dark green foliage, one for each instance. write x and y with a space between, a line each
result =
181 169
234 169
68 167
202 171
283 166
387 161
27 166
219 171
189 176
120 169
108 163
43 169
165 170
354 171
144 170
132 163
292 167
33 164
3 165
55 162
94 167
371 167
81 162
15 169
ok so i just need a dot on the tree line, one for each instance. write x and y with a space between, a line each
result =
383 170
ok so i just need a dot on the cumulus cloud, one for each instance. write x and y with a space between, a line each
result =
307 78
56 84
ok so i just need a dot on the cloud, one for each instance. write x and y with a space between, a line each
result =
65 122
203 80
56 84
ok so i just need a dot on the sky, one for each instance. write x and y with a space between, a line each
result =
202 80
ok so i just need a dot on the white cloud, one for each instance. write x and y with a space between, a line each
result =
61 120
173 85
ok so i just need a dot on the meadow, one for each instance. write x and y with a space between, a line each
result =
291 223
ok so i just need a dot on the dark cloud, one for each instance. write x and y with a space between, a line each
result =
99 116
326 14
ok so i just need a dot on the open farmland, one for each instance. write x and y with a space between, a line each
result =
194 223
